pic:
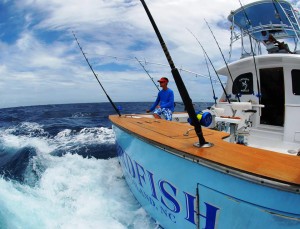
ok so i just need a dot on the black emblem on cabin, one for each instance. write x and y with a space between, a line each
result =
243 84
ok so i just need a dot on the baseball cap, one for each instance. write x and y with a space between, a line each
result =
163 79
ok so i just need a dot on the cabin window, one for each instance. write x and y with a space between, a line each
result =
243 84
296 81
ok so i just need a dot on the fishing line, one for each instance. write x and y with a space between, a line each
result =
223 57
159 64
180 85
212 66
252 51
111 102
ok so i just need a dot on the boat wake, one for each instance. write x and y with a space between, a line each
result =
67 180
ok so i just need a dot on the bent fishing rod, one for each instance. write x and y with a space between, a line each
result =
109 99
252 51
226 95
223 57
179 83
147 73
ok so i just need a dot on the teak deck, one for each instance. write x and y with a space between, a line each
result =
275 166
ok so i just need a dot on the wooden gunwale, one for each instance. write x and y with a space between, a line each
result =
265 164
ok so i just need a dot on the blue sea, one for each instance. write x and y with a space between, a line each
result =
58 169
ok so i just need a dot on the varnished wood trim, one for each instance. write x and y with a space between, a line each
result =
259 166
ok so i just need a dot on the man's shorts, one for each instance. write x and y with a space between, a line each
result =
166 112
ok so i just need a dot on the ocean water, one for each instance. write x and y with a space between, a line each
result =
58 169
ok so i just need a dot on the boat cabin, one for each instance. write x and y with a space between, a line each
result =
278 107
269 81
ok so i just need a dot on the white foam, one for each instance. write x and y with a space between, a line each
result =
73 192
64 139
17 142
87 136
69 191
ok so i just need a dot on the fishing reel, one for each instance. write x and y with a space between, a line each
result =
205 118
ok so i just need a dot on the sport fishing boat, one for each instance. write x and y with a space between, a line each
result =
243 170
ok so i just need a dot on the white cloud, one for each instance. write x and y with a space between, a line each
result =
44 64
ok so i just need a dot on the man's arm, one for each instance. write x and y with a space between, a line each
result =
155 103
273 39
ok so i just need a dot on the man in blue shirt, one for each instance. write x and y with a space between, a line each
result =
165 99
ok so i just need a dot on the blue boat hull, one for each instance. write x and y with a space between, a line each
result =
182 193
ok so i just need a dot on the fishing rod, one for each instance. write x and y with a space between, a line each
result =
111 102
212 66
211 83
222 56
252 51
159 90
147 73
180 85
152 77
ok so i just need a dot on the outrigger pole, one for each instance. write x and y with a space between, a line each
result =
180 85
109 99
222 56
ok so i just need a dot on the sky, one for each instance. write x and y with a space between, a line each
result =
41 63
